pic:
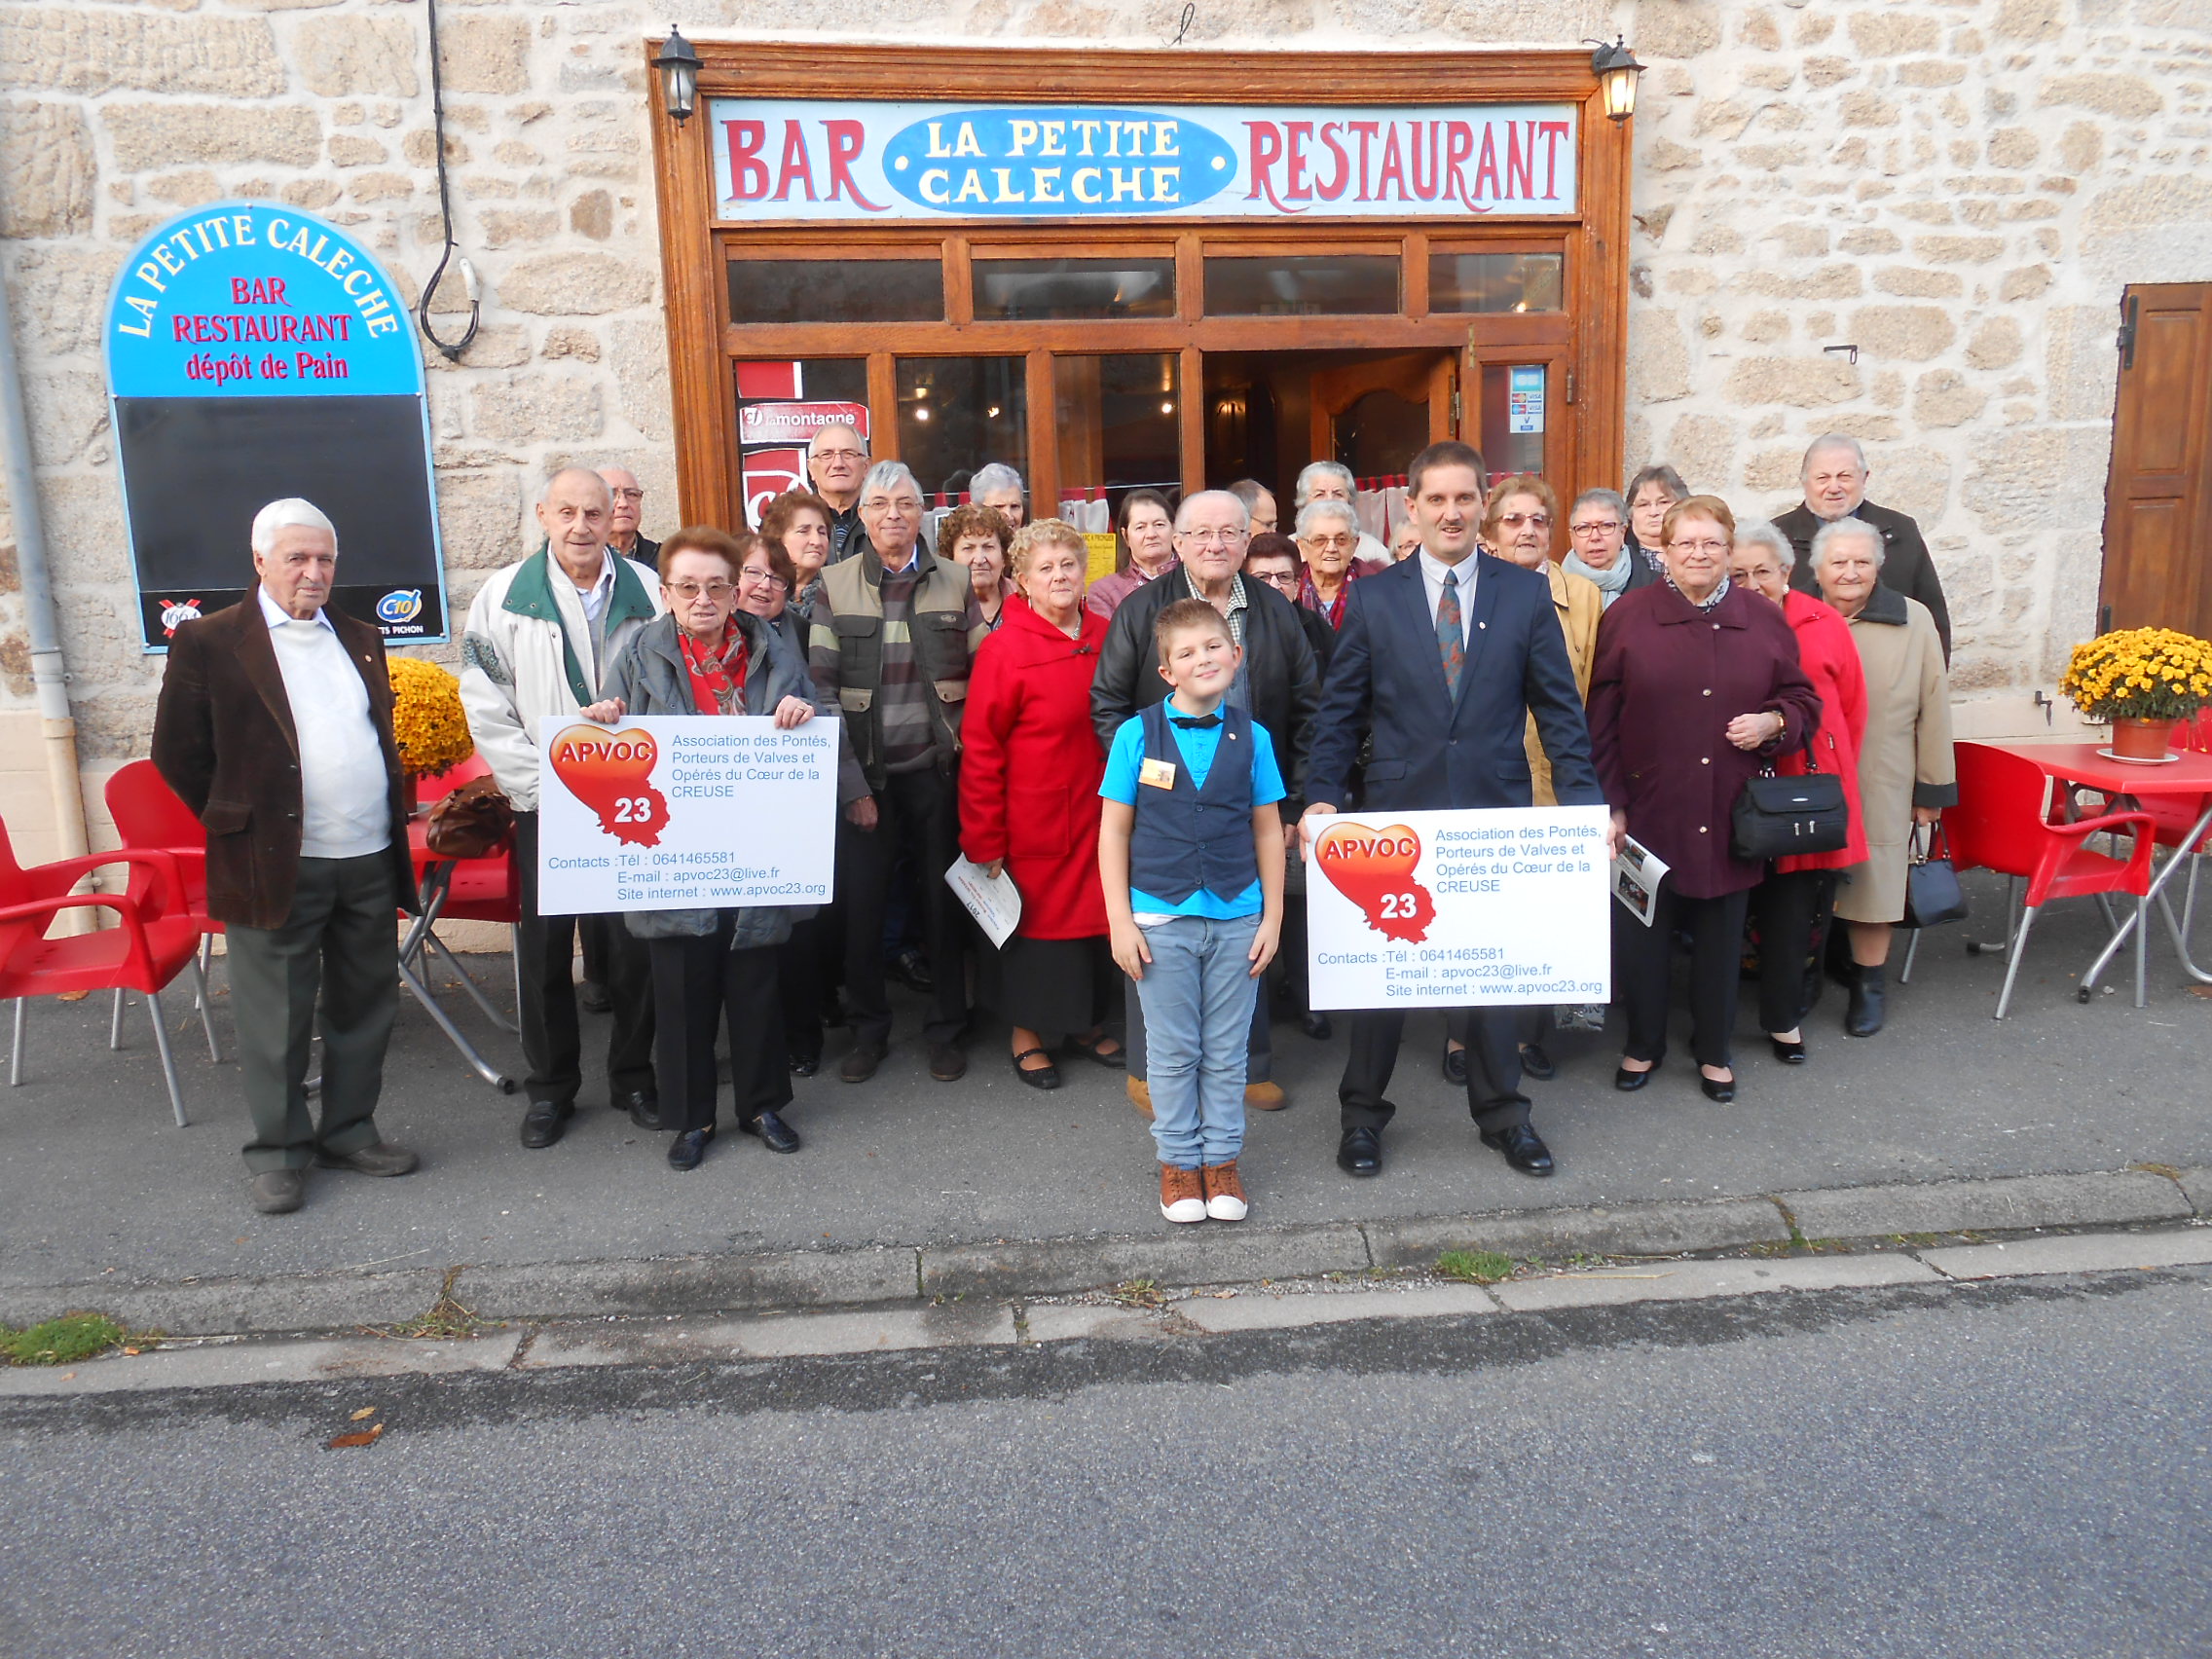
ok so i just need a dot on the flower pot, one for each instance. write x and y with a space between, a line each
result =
411 792
2141 740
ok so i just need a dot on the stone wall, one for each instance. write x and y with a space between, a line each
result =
1959 187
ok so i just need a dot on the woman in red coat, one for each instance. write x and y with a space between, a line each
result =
1029 778
1790 909
1696 685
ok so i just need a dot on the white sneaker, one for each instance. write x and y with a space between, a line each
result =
1225 1192
1182 1194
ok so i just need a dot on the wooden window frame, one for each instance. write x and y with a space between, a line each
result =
1589 336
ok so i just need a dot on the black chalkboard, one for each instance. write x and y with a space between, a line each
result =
196 469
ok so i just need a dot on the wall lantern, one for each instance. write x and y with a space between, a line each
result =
678 67
1616 69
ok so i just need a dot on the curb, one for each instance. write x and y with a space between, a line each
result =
1011 1269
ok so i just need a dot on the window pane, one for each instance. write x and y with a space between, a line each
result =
1514 417
1495 282
837 290
781 404
1014 291
1117 424
1343 284
955 414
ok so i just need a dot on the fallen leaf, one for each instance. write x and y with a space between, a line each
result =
365 1412
133 1352
73 996
68 1376
365 1437
2204 991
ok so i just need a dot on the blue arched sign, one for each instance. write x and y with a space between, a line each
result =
255 352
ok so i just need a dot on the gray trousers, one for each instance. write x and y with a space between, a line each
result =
340 939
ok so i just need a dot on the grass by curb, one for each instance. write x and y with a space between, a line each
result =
66 1340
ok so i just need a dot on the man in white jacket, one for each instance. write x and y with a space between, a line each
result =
542 637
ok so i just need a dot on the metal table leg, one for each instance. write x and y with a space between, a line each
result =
437 884
2155 895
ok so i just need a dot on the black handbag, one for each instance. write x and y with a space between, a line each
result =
1778 818
1931 891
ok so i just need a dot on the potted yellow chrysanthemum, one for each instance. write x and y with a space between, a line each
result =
2142 680
427 719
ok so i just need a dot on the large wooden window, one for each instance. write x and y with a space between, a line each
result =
1174 351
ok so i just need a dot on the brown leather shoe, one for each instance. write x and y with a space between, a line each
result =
1182 1194
1225 1192
378 1157
1265 1096
948 1062
279 1192
1140 1096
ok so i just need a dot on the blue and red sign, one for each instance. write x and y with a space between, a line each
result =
253 353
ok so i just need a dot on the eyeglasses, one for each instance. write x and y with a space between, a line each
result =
840 454
1336 543
1514 521
689 591
1596 527
1212 538
755 576
1714 547
1277 578
627 495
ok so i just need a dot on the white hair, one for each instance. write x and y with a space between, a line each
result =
1183 512
1304 493
545 490
1844 530
991 479
283 515
835 427
1834 441
887 476
1610 500
1310 515
1764 534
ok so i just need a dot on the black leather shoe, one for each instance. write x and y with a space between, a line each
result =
593 998
859 1065
1456 1066
687 1148
1715 1090
948 1062
1789 1053
1868 997
545 1122
1046 1076
1628 1082
1525 1150
1316 1026
775 1135
1537 1063
644 1108
912 969
1360 1151
805 1063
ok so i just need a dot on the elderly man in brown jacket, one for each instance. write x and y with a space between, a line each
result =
274 728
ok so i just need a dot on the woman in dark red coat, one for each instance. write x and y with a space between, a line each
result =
1029 778
1791 907
1697 684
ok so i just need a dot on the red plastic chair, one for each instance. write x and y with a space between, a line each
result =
148 814
156 939
1997 825
465 890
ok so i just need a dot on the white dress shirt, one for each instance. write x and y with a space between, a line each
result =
596 596
1432 572
344 810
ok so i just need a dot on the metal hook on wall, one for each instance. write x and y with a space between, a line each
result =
468 280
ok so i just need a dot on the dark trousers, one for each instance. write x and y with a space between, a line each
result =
698 984
552 1042
918 814
807 973
1259 1049
339 945
1494 1068
1644 958
1790 910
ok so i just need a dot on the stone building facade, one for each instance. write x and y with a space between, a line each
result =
1959 188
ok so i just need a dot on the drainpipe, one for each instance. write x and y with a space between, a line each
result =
40 620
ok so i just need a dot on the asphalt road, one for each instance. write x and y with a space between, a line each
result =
2016 1470
95 1180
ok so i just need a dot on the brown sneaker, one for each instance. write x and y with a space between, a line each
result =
1225 1192
1265 1096
1140 1096
1182 1194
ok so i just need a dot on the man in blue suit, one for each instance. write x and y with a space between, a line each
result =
1443 657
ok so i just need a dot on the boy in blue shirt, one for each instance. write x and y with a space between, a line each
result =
1190 852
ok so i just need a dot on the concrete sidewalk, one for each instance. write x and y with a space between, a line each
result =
99 1192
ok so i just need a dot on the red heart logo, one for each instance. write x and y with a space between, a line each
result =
1375 870
612 773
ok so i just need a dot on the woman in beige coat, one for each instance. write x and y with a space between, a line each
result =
1906 776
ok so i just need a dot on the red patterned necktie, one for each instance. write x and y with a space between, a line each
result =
1450 633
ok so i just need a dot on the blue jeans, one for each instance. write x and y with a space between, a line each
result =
1198 995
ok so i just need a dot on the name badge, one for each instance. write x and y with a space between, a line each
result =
1159 774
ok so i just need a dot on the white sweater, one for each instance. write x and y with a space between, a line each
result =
345 812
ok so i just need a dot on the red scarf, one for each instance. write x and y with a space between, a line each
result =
717 677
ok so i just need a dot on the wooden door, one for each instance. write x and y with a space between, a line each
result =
2157 569
1397 399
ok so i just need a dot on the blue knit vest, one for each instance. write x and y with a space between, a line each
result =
1187 837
